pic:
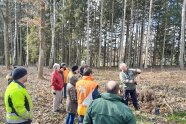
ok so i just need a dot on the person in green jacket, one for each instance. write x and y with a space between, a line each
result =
109 108
17 100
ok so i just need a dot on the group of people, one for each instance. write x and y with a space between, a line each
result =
79 88
82 96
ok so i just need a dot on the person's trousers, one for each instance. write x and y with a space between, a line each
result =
80 119
133 95
70 118
65 91
57 98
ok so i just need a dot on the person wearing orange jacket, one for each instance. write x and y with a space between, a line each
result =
87 91
65 72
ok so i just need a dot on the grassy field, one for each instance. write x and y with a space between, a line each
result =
168 86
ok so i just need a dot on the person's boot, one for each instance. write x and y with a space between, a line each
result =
137 111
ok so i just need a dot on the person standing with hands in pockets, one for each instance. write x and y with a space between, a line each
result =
57 86
18 102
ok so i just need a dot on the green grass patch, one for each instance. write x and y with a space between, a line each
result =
146 118
177 117
143 119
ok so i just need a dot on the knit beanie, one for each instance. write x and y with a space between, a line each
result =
74 68
62 65
19 73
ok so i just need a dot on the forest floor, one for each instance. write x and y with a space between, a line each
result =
167 87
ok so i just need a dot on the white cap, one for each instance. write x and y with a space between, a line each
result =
82 63
56 65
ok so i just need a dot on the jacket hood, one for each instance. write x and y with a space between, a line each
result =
111 97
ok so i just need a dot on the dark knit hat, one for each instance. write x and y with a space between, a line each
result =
87 71
74 68
19 73
62 65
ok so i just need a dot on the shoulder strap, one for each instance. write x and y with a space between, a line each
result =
87 101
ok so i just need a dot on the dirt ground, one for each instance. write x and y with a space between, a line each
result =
158 88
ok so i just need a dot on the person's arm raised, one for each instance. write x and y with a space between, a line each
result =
138 71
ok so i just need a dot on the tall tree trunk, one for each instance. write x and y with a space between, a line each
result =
64 58
131 35
108 53
182 40
105 50
20 42
6 41
68 55
136 45
11 40
173 46
15 35
42 40
141 43
118 54
148 35
53 20
137 49
115 50
100 35
112 31
69 52
155 45
70 45
21 48
77 52
163 49
27 46
127 41
122 44
88 49
17 43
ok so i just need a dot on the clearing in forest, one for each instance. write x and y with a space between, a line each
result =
167 89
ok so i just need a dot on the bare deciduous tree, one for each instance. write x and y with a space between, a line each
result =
182 40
